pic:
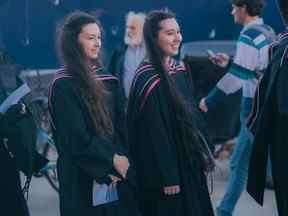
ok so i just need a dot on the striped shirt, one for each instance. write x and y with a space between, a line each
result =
252 56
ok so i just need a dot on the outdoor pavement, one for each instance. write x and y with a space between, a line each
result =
43 200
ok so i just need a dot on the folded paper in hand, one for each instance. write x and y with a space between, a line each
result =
102 194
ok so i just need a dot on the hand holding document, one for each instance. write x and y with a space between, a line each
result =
102 193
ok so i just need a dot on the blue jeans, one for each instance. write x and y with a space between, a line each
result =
239 164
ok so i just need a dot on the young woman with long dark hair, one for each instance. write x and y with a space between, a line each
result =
87 124
163 135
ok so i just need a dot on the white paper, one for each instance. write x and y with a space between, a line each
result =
102 194
14 97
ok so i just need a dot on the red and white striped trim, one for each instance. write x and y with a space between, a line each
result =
147 93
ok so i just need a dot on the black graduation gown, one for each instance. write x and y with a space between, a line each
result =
156 152
268 122
83 155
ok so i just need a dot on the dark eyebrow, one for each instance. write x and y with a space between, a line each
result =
92 34
172 30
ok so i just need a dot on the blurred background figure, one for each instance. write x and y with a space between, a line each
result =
127 57
248 66
17 155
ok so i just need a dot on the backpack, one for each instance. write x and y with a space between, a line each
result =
18 133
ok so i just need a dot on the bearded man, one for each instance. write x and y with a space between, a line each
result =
127 57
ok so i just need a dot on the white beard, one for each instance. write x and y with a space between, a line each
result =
134 41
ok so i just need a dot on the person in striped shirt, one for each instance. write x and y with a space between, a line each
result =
250 60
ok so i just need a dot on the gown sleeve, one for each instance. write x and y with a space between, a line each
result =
92 154
163 145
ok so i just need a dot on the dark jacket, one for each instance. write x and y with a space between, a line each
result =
268 123
116 64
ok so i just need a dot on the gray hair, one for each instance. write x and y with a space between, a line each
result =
137 16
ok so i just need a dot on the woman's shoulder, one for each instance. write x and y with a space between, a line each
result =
104 75
62 84
145 82
62 79
144 73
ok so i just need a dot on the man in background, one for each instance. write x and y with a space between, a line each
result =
127 57
250 61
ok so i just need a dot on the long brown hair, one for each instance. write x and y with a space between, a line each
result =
185 120
72 54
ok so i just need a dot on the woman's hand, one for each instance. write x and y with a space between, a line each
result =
114 180
121 164
172 190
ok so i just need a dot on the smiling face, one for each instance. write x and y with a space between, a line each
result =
169 37
90 41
